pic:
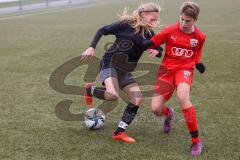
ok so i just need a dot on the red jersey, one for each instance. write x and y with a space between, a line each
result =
182 50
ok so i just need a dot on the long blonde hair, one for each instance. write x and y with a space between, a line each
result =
135 19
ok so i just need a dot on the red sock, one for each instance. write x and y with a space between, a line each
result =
191 121
164 111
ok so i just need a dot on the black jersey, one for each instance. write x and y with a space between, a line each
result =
128 47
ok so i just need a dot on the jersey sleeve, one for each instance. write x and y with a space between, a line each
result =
106 30
151 45
199 51
161 37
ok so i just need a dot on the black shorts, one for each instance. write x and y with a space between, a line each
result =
124 78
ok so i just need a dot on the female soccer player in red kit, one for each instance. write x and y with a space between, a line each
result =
184 43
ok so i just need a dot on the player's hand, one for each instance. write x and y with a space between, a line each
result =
200 67
87 53
153 53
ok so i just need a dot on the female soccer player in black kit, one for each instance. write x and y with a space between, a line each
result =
121 59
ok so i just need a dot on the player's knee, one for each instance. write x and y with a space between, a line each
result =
183 95
137 100
183 99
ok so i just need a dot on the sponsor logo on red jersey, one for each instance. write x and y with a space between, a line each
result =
182 52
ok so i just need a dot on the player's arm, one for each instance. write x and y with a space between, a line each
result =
105 30
198 64
154 51
157 40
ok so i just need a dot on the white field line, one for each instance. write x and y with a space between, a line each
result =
39 13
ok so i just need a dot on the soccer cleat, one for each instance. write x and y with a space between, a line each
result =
88 98
196 148
122 136
167 121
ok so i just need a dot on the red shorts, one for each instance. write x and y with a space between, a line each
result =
168 81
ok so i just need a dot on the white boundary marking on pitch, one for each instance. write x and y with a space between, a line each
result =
39 12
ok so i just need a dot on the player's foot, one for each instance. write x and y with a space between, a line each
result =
88 98
122 136
196 148
167 121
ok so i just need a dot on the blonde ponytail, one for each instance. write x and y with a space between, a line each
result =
135 19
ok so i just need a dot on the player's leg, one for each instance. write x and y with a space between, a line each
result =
158 105
163 89
134 93
131 88
183 96
135 99
159 108
110 92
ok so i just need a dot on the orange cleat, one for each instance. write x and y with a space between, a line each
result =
88 98
122 136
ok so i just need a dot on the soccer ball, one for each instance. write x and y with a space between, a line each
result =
94 118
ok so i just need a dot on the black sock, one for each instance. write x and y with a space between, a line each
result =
128 115
194 134
98 92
